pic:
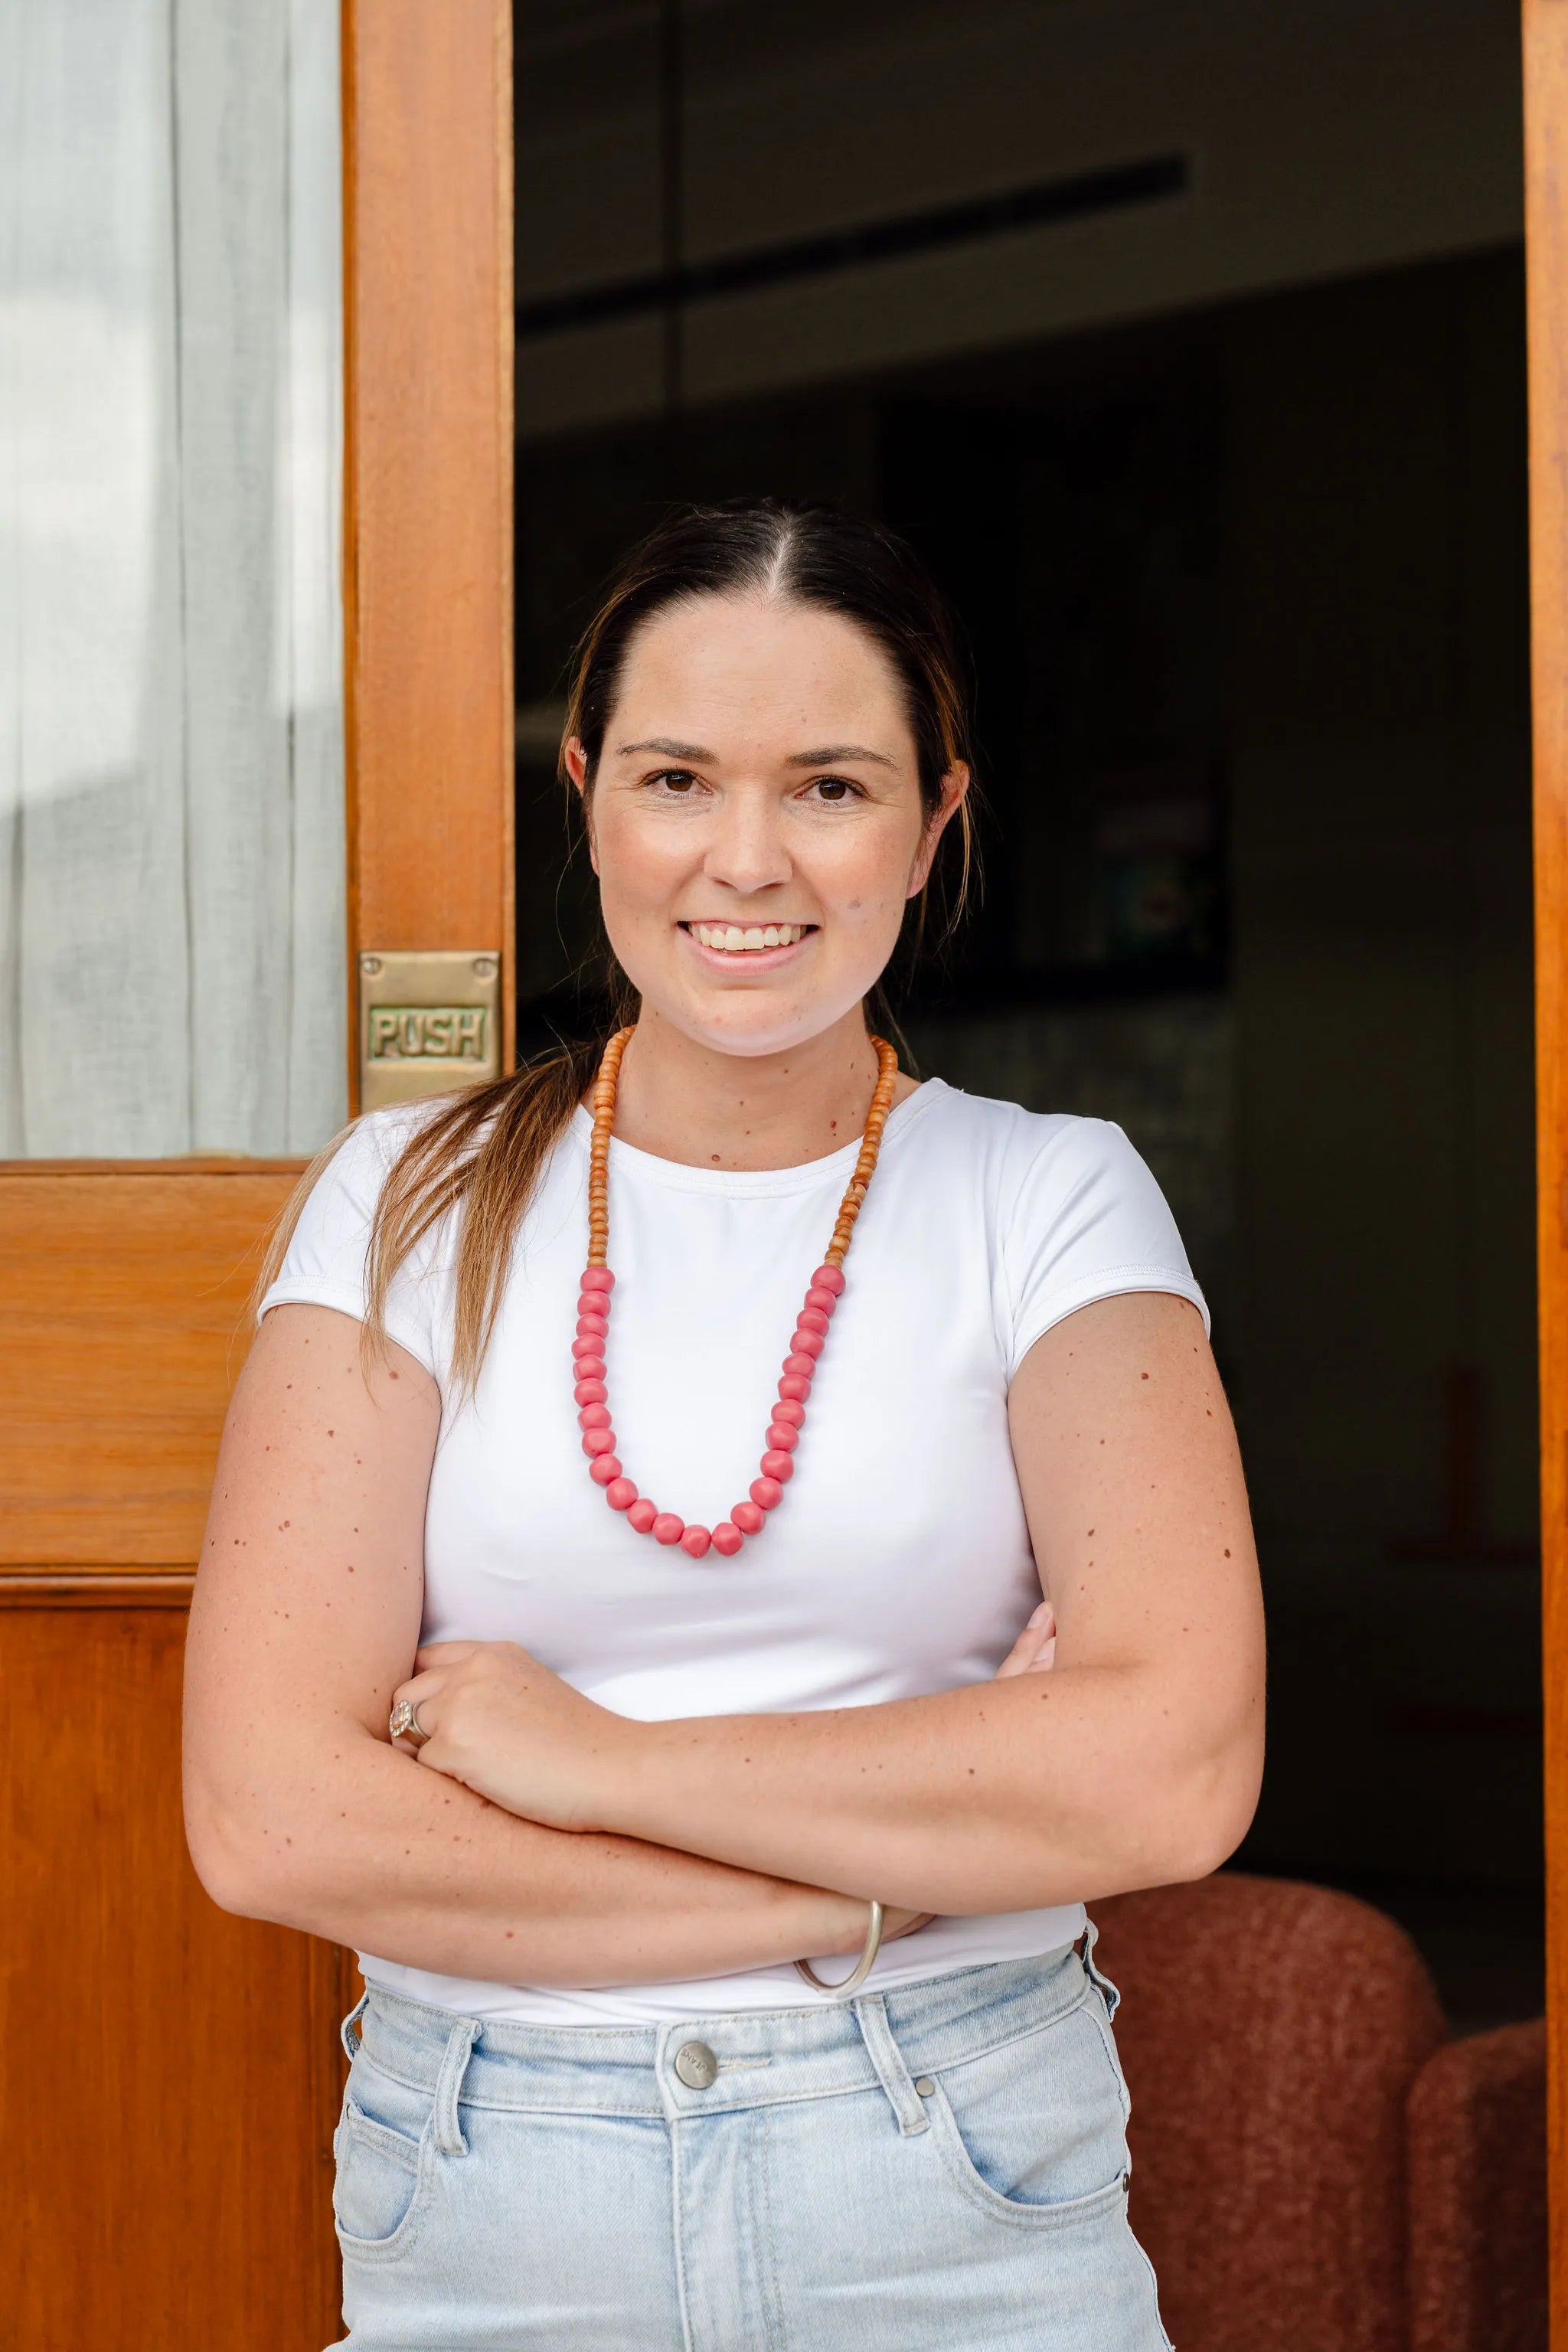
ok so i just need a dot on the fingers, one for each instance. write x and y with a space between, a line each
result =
445 1653
423 1692
1035 1651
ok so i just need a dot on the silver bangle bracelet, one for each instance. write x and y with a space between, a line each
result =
862 1967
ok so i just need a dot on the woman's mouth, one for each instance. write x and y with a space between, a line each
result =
747 942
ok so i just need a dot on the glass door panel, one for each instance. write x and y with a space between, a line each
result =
172 821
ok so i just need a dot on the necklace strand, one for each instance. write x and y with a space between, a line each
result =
823 1294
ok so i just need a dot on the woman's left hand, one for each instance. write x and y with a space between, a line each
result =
514 1732
1035 1651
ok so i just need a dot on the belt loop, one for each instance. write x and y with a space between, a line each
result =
351 2039
449 2137
1096 1977
871 2016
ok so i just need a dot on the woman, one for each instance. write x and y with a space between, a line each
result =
659 1747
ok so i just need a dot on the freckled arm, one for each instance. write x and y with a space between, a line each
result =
1135 1762
305 1619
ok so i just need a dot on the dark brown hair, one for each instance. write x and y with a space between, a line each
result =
484 1148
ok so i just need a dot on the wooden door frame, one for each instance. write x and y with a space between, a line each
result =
430 335
1545 59
122 1290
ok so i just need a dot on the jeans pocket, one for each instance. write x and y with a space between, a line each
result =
1034 2132
386 2153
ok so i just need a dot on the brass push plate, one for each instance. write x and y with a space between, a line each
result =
428 1023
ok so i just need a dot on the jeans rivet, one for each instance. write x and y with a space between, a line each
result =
924 2086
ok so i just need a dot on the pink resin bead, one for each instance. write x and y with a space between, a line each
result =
593 1416
777 1466
829 1277
806 1341
786 1410
591 1326
728 1538
796 1387
590 1344
799 1365
767 1494
595 1393
599 1441
599 1277
781 1437
620 1493
642 1515
748 1517
810 1318
605 1471
668 1528
823 1300
590 1368
695 1542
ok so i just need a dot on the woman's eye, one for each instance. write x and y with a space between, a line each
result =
835 790
679 781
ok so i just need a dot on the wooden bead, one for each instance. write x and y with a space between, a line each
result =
806 1344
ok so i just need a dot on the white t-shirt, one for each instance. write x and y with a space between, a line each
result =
898 1562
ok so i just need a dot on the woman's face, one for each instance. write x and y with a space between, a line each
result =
755 822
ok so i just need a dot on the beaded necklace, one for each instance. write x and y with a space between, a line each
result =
766 1491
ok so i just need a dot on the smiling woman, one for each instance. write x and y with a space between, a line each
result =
593 1781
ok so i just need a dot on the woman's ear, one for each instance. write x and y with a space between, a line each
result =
954 786
577 761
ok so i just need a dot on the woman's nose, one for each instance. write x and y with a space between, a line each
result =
746 850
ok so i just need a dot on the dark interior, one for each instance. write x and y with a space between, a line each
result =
1244 583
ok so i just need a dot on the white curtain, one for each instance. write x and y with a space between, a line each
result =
172 858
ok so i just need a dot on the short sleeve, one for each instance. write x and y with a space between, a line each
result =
1086 1221
324 1265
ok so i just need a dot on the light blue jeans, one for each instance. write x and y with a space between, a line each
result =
941 2165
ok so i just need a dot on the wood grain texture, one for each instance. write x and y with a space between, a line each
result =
169 2076
1546 228
121 1330
429 470
95 1588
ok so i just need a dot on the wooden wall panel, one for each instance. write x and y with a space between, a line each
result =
1546 205
428 586
169 2076
121 1330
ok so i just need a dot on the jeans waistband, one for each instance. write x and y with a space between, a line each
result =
759 2057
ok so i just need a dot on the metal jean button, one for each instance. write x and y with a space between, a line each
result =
696 2065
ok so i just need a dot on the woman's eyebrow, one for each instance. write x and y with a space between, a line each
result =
672 751
839 751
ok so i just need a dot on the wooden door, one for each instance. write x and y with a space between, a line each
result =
1546 234
170 2075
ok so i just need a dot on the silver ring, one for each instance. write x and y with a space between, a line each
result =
861 1969
403 1723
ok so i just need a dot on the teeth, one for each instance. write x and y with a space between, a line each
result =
732 940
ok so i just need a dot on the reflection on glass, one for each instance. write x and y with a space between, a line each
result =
172 922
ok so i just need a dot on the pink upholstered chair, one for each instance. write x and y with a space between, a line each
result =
1317 2167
